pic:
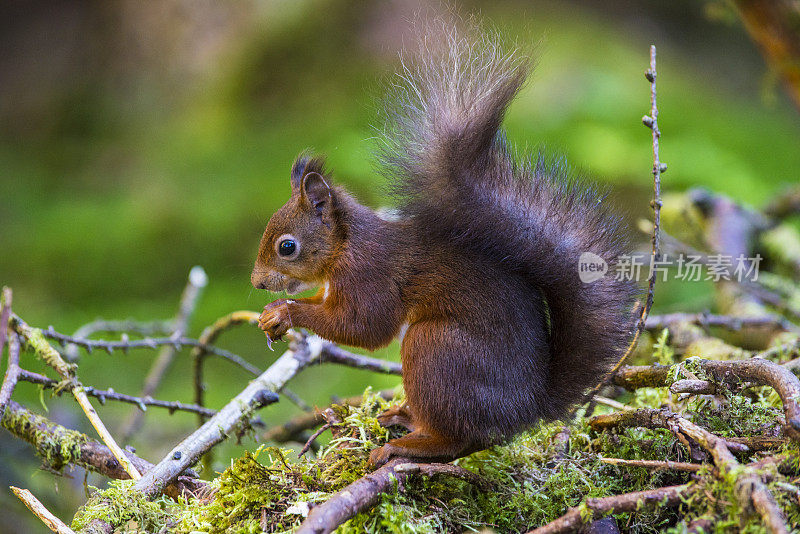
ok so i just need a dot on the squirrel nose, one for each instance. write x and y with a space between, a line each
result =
258 279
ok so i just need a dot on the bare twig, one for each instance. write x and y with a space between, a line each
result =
39 510
332 353
593 508
651 121
109 394
655 464
313 437
147 343
142 328
260 392
191 293
50 356
59 446
12 373
729 322
12 370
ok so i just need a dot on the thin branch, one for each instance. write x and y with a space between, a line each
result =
39 510
594 508
313 437
109 394
50 356
125 345
654 464
332 353
729 322
142 328
651 121
12 369
191 294
260 392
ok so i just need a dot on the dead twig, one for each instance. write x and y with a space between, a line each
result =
756 371
651 121
12 369
200 353
332 353
109 394
313 437
655 464
39 510
729 322
142 328
594 508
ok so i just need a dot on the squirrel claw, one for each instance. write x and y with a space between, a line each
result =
380 456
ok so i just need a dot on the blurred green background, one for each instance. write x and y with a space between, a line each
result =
138 139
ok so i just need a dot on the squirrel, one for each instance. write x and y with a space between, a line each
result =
479 273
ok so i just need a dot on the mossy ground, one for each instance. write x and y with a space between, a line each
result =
535 479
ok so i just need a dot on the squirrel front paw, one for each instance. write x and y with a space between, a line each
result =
275 319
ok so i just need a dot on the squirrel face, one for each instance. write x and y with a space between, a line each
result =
300 239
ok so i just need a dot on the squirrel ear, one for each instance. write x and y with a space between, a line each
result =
317 193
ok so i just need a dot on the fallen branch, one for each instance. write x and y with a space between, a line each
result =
595 508
50 356
750 490
59 446
39 510
365 492
756 371
260 392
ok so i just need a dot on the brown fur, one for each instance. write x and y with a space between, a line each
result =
482 266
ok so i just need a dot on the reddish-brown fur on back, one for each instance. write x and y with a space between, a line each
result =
482 264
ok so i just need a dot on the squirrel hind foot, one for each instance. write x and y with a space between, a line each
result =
397 416
424 447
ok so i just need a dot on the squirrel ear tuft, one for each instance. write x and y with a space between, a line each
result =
317 193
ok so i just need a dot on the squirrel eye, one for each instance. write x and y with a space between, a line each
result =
287 247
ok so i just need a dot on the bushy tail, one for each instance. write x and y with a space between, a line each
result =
456 178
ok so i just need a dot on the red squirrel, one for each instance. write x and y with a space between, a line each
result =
478 274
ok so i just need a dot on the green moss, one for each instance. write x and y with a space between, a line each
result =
122 506
534 480
56 445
